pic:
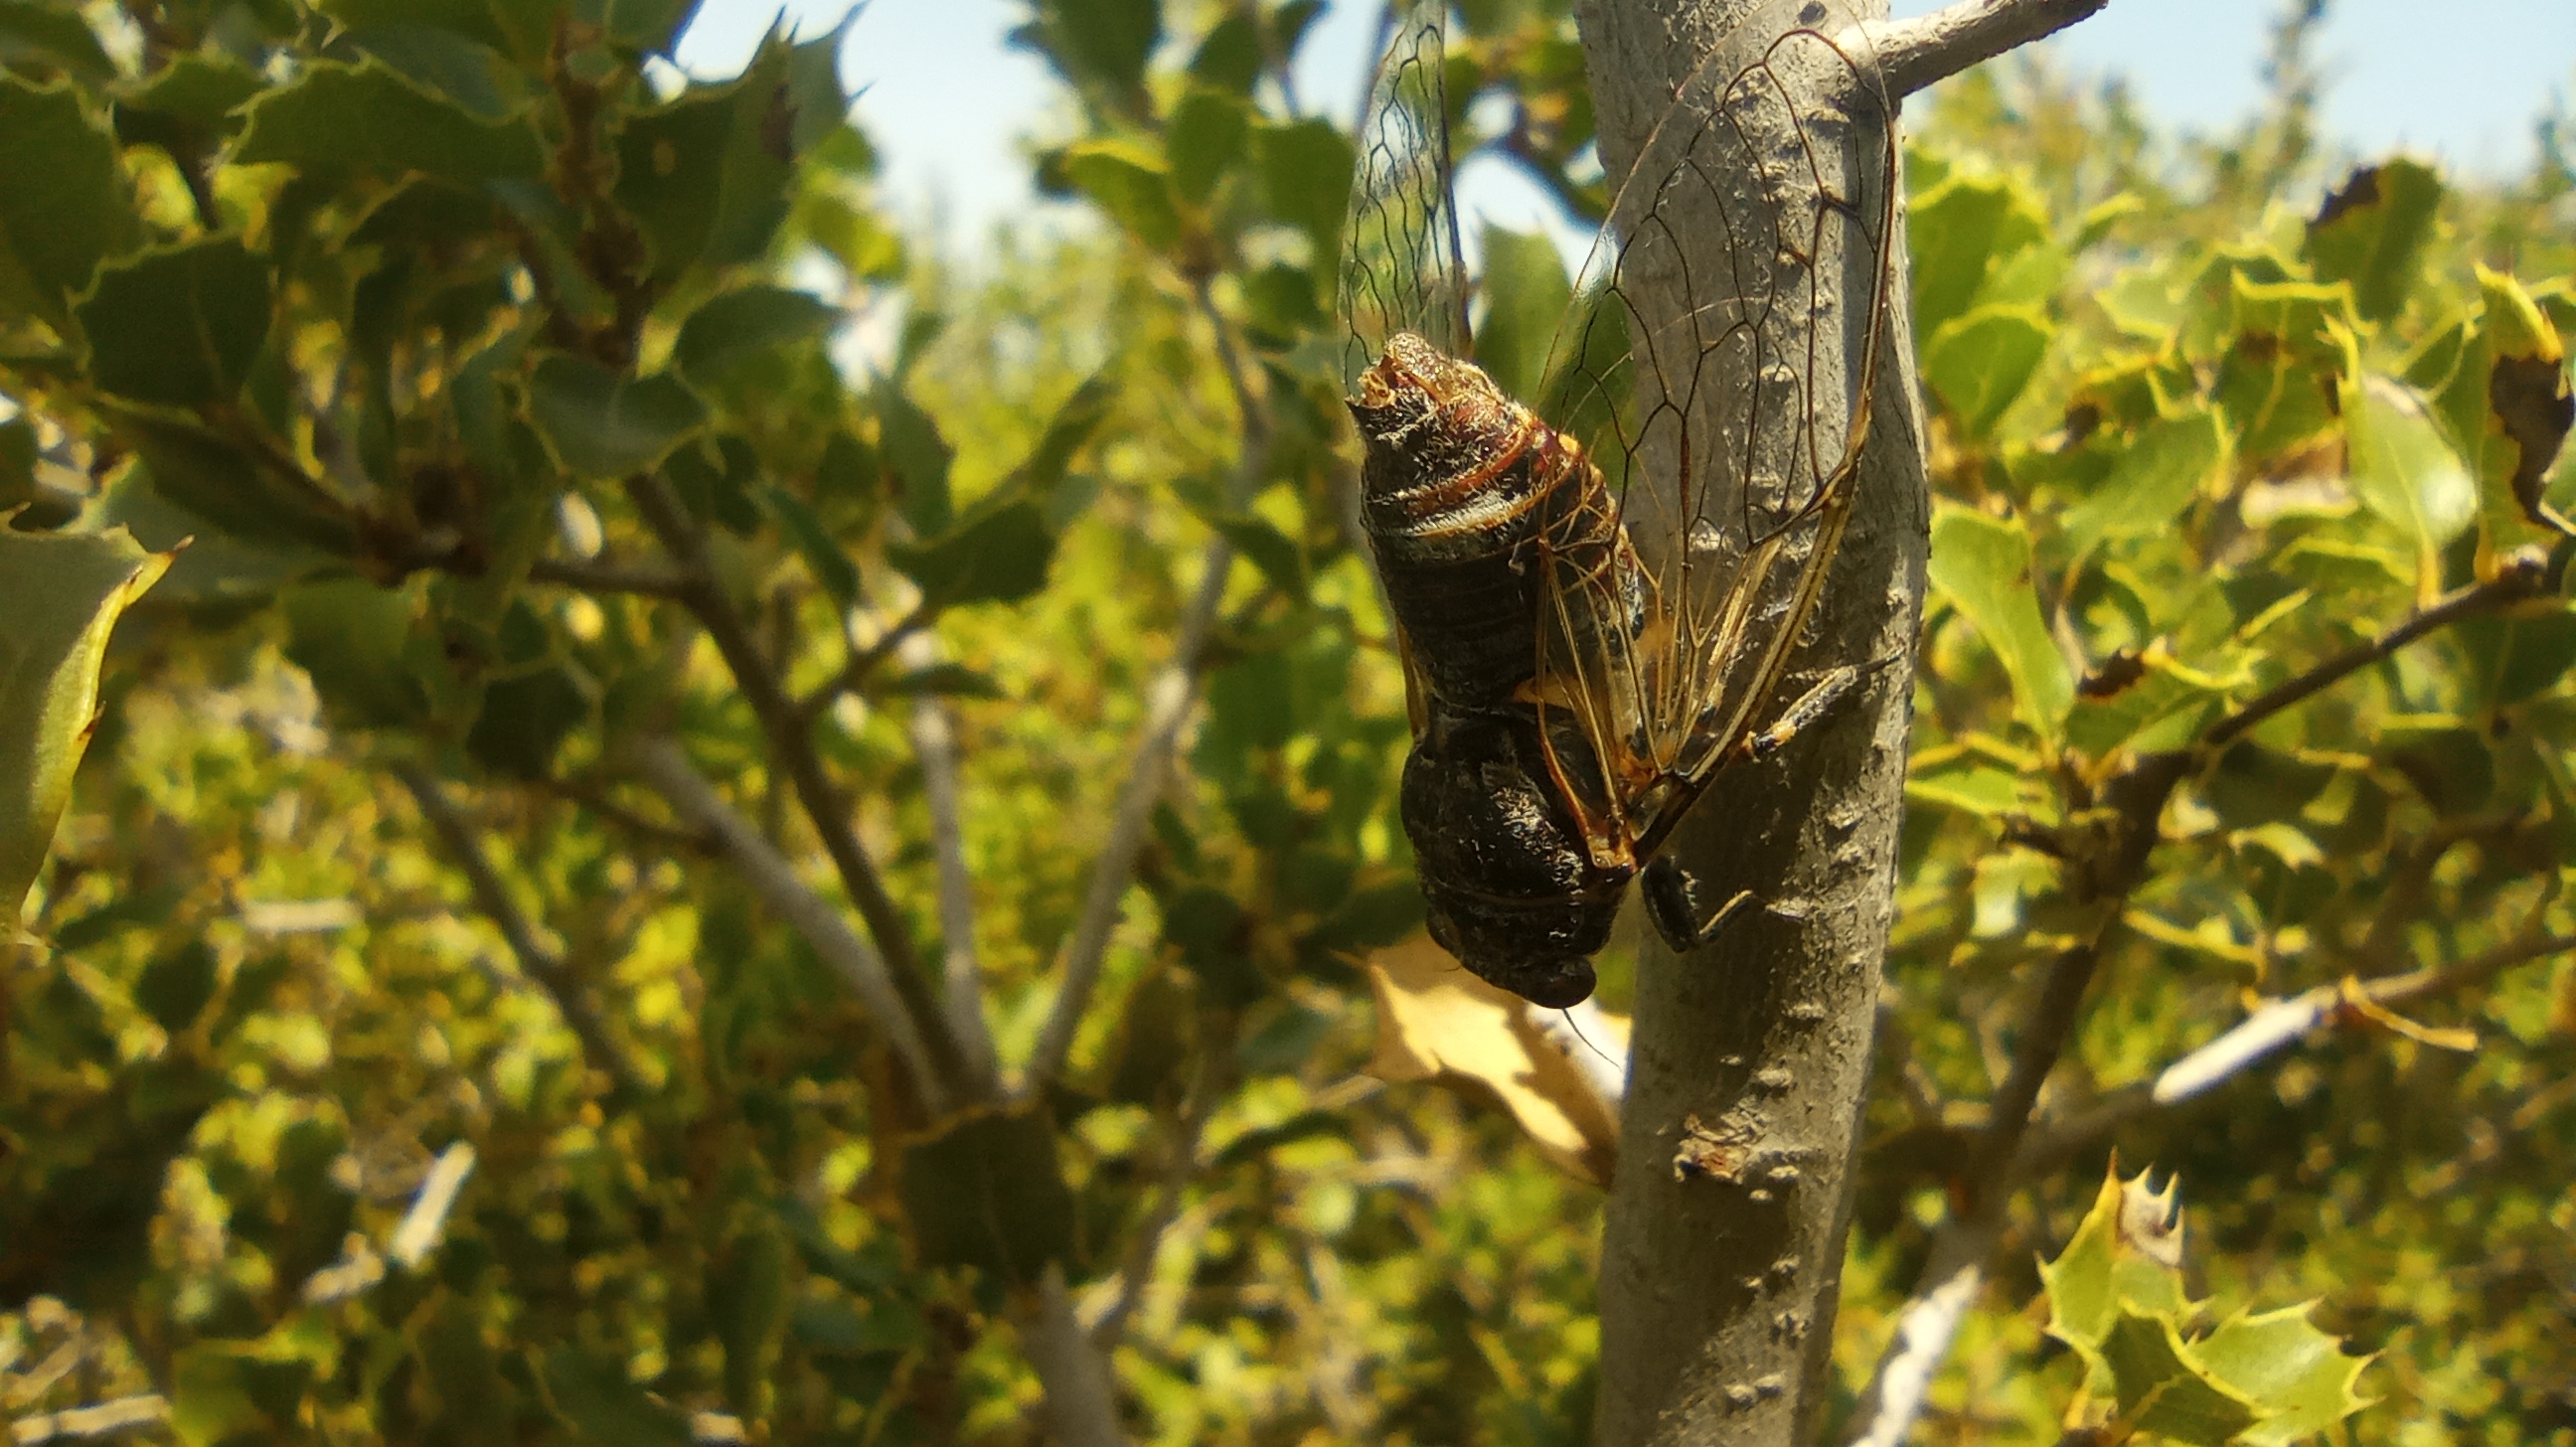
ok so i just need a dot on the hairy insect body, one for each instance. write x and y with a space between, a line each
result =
1473 507
1466 497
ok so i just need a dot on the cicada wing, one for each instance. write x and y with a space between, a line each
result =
1719 364
1402 265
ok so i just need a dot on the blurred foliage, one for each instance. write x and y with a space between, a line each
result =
412 315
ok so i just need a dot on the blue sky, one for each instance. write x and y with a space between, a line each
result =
949 103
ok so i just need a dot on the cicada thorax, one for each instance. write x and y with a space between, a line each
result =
1469 501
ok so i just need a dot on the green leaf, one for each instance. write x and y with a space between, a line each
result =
2372 234
707 174
33 31
336 118
2522 657
604 424
2297 1374
1982 565
2401 466
919 457
1206 135
1968 784
65 204
734 325
178 325
1526 290
2529 409
2284 360
940 680
2103 721
2167 464
1306 177
831 566
2162 1390
1960 230
995 554
1979 362
1132 183
983 1191
175 987
525 721
1097 43
206 476
747 1295
187 101
592 1393
60 595
350 636
447 64
1072 425
1265 547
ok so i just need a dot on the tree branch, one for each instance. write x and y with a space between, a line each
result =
607 577
791 747
1168 702
2522 577
549 970
1913 54
1081 1401
934 743
769 872
863 662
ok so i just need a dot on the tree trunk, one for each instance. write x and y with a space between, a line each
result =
1718 1282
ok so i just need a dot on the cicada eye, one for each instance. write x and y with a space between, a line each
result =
1811 15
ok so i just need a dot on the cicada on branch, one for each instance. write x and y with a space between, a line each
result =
1596 599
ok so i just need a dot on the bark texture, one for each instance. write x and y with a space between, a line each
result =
1751 1056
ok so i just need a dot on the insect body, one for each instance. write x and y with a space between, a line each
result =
1596 601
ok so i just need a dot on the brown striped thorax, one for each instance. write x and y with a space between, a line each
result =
1468 501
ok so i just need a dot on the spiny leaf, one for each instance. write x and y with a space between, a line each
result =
61 596
178 325
336 118
65 204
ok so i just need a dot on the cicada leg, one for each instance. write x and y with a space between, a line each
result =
1672 902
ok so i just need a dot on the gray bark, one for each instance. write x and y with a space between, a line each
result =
1718 1294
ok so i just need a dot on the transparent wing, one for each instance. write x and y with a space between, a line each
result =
1401 265
1718 364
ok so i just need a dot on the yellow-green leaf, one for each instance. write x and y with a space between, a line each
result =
60 596
1982 565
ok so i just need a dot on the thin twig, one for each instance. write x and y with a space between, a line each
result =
934 743
864 663
1915 53
1168 702
607 577
2522 577
769 872
549 970
791 746
1081 1400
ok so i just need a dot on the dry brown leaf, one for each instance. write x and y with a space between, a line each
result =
1437 1022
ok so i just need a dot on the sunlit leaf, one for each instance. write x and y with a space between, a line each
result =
1982 565
61 597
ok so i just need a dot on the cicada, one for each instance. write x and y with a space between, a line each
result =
1596 597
